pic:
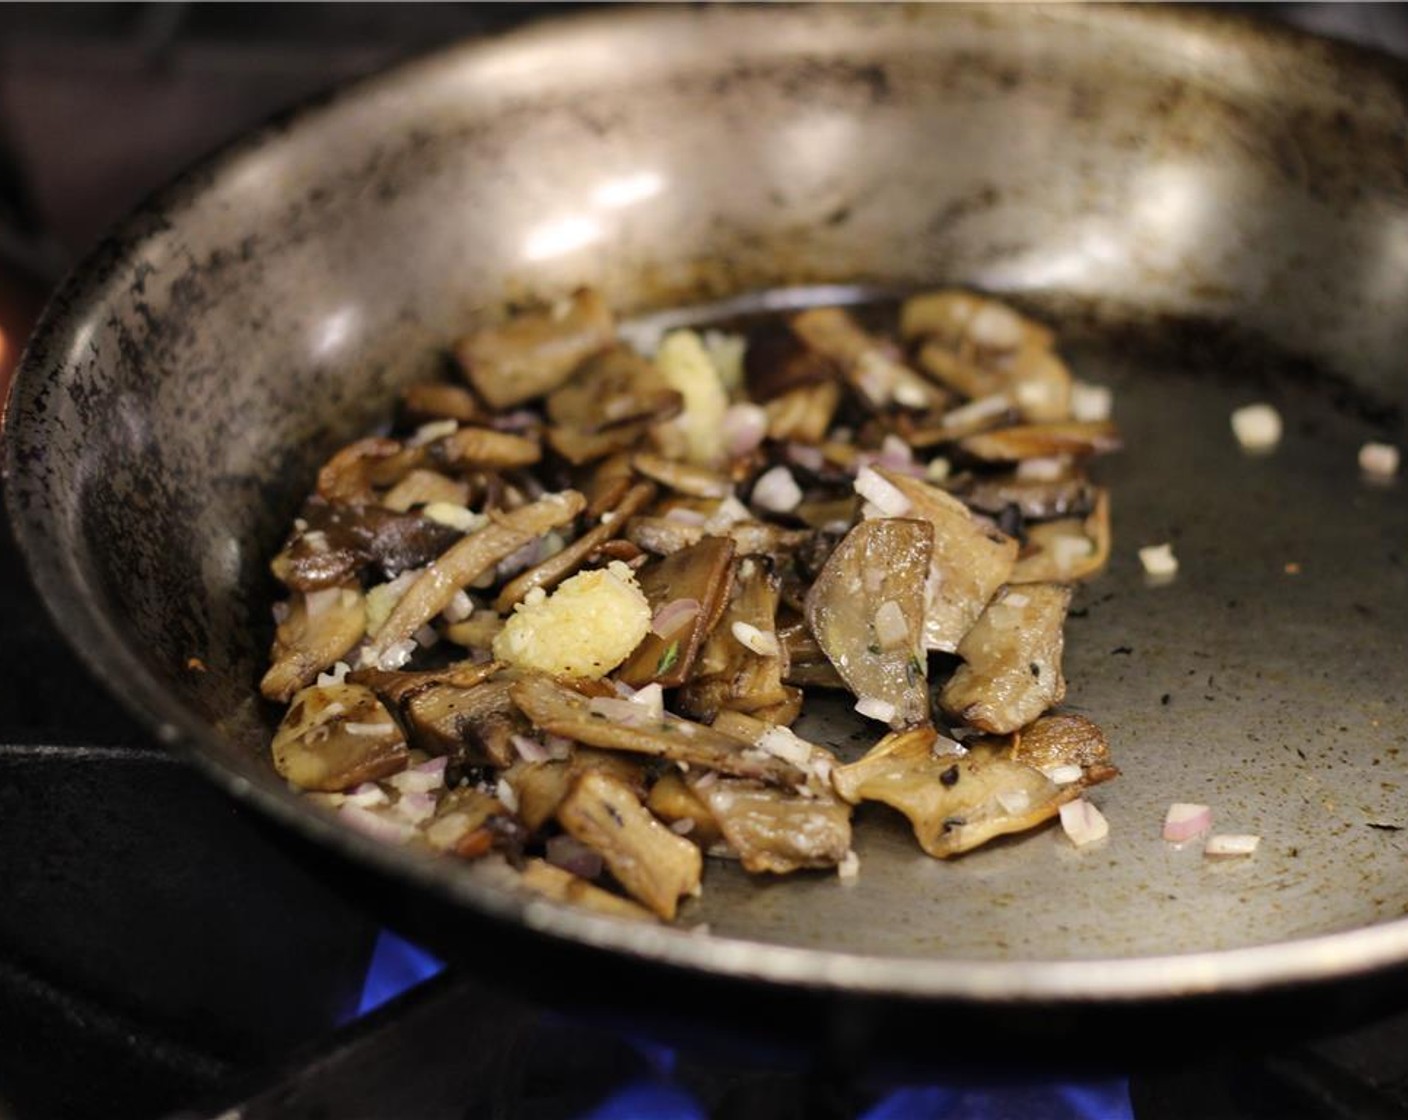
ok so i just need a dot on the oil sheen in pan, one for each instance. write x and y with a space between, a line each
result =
1262 681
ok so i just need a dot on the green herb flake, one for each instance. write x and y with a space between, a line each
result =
668 658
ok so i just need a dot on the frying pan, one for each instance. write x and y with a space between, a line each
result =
1210 213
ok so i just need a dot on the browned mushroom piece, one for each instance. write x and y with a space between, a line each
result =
552 882
337 736
702 575
579 447
469 823
1062 740
622 725
438 400
1041 441
803 414
471 724
534 353
665 536
741 663
1068 548
477 448
396 686
776 831
655 866
971 559
616 387
981 347
807 664
684 478
1068 494
469 558
1011 671
560 565
542 786
477 632
337 542
353 474
421 487
672 800
866 611
956 801
320 628
777 363
870 367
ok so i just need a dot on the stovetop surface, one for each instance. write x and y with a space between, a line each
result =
161 953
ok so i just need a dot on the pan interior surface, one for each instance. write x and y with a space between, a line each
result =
1208 216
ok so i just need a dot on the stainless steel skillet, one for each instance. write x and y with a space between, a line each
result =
1209 213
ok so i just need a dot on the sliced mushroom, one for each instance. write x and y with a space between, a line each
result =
870 368
633 728
1011 669
1062 740
471 724
579 447
970 561
470 448
560 565
337 736
321 627
552 882
878 570
1038 499
777 363
436 400
655 866
542 786
477 632
533 353
395 687
741 663
614 388
665 536
351 476
702 574
1040 441
1069 548
803 414
777 831
955 801
672 800
470 823
684 478
339 541
470 558
421 487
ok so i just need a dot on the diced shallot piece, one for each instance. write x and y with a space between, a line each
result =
777 491
1378 460
1230 844
1159 560
1257 427
1184 821
879 492
673 616
762 642
1083 822
875 708
744 426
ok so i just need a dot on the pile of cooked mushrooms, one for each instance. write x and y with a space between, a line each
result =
564 616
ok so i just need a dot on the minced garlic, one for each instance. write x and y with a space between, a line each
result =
585 628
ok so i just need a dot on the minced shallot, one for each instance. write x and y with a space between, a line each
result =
1183 821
